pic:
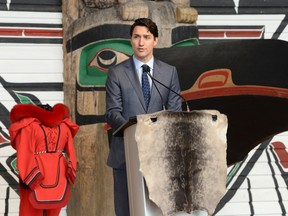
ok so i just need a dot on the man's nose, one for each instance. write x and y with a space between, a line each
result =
141 41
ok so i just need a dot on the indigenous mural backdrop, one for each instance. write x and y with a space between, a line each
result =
31 71
216 75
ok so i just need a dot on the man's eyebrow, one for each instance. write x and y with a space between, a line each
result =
145 35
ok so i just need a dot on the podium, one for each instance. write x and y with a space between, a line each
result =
147 126
139 203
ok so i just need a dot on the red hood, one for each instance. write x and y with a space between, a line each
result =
49 118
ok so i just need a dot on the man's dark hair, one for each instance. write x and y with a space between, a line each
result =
147 23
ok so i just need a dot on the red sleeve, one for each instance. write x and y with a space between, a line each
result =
72 126
72 165
27 165
71 173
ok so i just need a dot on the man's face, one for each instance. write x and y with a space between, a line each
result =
143 42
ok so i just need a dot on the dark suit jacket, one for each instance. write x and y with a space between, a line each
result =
124 99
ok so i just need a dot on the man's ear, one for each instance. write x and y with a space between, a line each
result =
155 41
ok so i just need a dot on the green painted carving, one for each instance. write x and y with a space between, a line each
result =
188 42
96 59
24 99
13 165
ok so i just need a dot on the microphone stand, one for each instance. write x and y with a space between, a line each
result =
155 80
163 105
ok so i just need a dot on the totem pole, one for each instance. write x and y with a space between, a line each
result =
96 36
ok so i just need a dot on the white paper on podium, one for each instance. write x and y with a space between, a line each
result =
182 157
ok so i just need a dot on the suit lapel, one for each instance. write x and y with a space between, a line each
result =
157 75
132 76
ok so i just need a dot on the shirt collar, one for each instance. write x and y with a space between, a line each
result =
138 64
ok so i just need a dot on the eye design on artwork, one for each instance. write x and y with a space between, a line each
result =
106 58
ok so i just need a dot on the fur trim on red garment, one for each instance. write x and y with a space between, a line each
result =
49 118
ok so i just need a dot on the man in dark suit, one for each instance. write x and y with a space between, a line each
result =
125 98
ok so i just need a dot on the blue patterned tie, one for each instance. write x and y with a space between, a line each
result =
145 84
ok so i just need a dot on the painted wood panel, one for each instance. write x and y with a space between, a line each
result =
267 27
27 19
31 60
31 5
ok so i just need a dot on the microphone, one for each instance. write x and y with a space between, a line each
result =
147 70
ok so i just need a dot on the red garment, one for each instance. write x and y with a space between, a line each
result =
46 158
